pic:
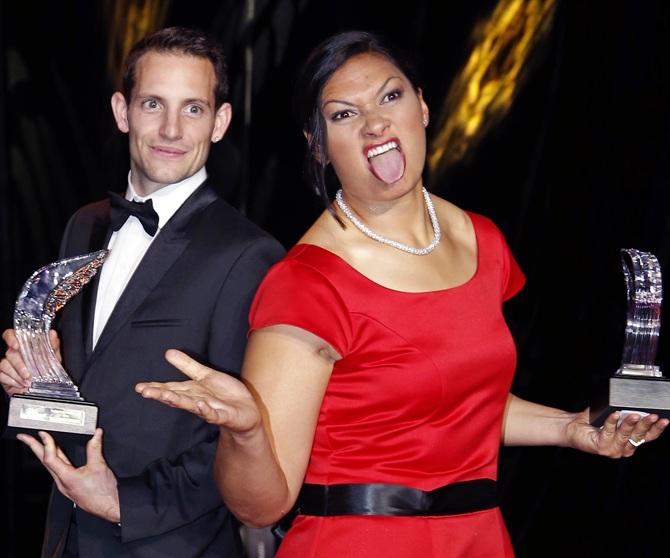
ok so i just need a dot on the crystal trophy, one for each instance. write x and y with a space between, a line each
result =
639 386
52 403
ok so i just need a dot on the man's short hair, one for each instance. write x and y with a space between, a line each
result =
178 40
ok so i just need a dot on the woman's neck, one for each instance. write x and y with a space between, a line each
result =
404 219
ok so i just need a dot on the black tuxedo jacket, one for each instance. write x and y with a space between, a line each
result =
191 291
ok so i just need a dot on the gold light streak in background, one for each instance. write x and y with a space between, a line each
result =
129 21
483 91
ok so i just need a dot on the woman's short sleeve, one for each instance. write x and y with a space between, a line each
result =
513 277
297 294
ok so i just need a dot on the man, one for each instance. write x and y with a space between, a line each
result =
187 283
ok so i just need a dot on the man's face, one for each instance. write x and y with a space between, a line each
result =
170 119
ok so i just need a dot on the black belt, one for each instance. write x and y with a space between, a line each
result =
390 499
397 499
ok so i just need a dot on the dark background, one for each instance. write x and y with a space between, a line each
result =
577 170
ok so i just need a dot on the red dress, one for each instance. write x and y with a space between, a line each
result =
417 398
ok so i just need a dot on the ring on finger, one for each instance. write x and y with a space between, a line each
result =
637 443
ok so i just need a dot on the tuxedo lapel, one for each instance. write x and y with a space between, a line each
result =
87 235
161 255
100 236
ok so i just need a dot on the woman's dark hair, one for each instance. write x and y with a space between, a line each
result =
178 40
321 64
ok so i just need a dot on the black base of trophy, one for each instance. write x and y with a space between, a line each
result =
66 420
645 394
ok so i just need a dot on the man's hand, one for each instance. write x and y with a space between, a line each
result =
92 487
14 376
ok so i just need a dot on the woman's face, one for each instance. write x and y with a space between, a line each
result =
375 128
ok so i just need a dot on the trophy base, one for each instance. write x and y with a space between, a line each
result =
639 394
65 420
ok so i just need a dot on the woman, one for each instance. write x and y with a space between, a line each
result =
379 364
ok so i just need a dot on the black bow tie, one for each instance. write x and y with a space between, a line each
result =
144 211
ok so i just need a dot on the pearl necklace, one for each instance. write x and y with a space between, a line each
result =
437 234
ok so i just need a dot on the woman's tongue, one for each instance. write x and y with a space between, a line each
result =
388 167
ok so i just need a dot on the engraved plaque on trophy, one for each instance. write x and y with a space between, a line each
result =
639 386
52 403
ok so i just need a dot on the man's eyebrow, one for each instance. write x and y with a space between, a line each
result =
147 95
199 100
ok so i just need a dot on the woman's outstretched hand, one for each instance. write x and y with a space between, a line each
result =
618 437
214 396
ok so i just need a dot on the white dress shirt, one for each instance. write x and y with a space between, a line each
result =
128 245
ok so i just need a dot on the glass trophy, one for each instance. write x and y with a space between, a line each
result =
52 403
639 386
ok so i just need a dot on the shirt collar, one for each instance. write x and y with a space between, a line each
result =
168 199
